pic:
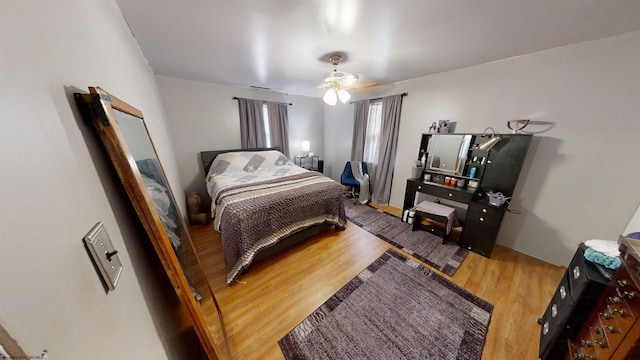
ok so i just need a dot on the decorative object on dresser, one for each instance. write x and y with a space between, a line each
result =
576 295
424 246
474 174
612 329
377 316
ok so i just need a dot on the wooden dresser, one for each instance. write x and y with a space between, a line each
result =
612 329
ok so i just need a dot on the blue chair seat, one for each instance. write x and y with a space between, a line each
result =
347 179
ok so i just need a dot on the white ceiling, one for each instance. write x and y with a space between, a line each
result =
284 45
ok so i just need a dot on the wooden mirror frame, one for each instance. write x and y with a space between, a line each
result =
100 107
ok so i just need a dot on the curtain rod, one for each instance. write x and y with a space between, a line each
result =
236 98
403 95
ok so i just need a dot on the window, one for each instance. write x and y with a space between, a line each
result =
372 136
265 120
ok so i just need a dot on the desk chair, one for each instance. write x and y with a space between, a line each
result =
347 179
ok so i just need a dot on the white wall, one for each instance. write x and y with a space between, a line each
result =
579 180
56 183
204 116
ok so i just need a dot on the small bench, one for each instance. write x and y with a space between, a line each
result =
437 213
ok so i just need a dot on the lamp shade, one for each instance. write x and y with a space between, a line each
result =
330 97
306 145
490 143
344 96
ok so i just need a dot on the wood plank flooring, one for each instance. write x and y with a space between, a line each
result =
280 291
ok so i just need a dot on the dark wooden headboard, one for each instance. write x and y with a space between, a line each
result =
207 157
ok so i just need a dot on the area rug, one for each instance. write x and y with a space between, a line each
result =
394 309
422 245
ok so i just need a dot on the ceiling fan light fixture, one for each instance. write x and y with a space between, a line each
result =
344 96
330 97
336 83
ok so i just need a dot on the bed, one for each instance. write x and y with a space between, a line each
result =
260 198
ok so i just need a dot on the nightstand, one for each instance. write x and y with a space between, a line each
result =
309 162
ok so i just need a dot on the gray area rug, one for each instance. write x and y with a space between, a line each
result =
394 309
422 245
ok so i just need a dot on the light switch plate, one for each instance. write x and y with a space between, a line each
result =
104 255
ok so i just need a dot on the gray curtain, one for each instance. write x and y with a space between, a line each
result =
360 115
391 108
279 126
252 134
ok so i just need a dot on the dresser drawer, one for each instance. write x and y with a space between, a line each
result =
615 304
627 289
612 329
444 192
479 236
604 330
599 340
484 213
579 350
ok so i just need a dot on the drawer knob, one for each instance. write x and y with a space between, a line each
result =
606 315
554 310
545 328
611 329
602 343
419 187
481 219
614 300
622 312
484 210
450 194
563 292
586 343
576 272
630 294
622 282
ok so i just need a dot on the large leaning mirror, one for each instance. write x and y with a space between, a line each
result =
124 134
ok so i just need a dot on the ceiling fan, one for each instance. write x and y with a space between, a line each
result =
336 83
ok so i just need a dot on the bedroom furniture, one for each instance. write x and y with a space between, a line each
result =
310 162
576 295
347 179
477 174
260 198
124 135
439 213
612 328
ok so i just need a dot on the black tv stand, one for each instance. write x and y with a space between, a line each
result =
498 172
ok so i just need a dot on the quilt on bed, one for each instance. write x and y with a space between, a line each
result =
260 198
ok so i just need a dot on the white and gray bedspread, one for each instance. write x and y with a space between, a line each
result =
260 198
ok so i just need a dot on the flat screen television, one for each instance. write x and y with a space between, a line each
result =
447 153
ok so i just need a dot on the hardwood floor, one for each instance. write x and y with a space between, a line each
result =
280 291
